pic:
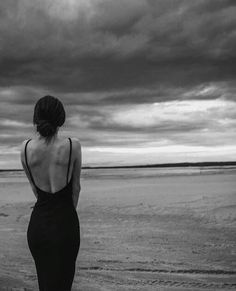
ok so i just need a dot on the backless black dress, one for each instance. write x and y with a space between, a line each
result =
53 236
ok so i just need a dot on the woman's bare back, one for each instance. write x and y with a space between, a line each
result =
49 163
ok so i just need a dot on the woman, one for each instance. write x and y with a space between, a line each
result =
53 167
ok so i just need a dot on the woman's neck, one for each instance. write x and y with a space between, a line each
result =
49 141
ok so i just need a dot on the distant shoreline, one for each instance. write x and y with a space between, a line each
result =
165 165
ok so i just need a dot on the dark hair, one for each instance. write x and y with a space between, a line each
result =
49 113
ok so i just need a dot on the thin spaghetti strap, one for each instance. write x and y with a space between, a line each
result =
69 160
26 161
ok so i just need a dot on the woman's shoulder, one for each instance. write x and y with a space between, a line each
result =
23 144
76 141
76 145
22 149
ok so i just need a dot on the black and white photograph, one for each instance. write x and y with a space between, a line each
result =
117 145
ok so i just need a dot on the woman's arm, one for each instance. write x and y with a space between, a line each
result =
22 158
76 170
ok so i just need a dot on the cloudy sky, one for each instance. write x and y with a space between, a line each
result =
142 81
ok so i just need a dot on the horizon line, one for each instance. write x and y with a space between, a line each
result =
161 165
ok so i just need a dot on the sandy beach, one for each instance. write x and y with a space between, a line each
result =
141 229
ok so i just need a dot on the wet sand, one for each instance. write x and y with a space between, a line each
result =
139 231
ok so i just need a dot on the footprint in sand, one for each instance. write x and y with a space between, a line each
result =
4 214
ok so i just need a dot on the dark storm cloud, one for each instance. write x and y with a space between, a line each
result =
112 45
130 73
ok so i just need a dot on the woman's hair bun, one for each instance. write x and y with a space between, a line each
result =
45 128
49 114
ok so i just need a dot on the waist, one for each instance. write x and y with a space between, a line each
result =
43 216
54 203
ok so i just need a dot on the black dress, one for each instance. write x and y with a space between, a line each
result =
53 236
